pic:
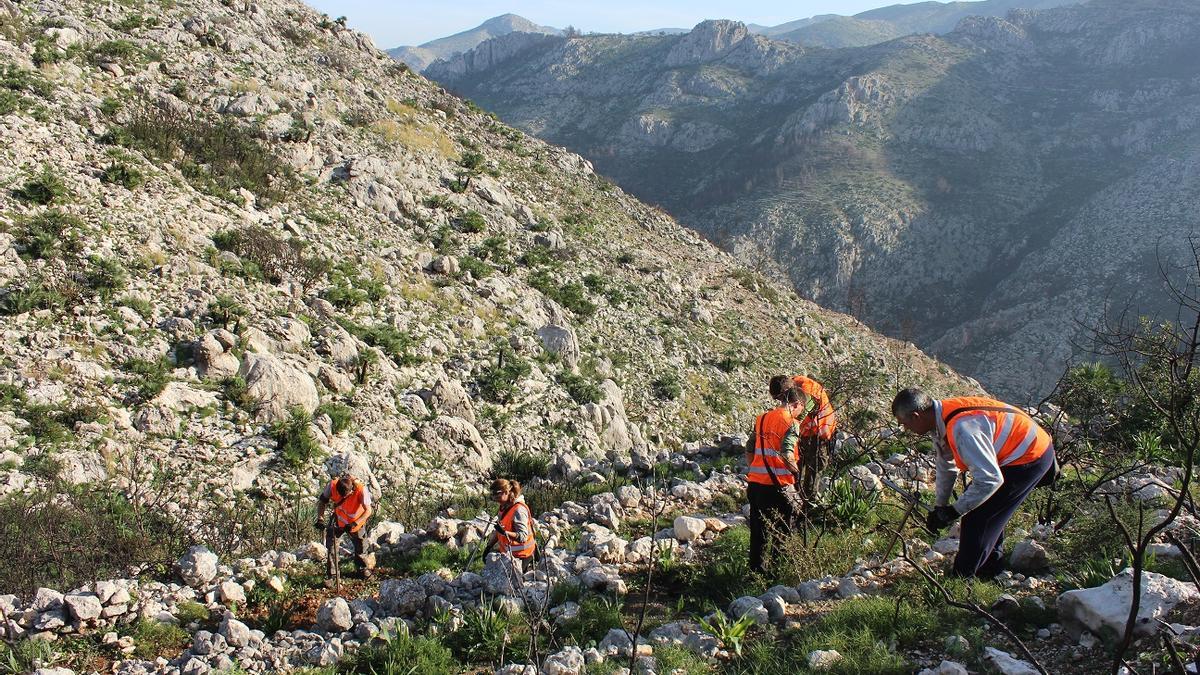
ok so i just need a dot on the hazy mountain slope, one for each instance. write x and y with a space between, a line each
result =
420 57
930 185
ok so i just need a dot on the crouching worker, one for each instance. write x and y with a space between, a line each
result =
351 508
772 457
1007 454
513 533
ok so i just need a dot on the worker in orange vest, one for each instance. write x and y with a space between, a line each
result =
1007 453
351 502
771 455
818 429
514 531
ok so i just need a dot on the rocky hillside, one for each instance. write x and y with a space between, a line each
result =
418 58
239 240
980 192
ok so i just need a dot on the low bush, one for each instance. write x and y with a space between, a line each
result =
476 267
153 639
581 389
44 189
152 376
294 439
124 174
667 387
435 556
471 222
278 259
340 415
571 295
226 312
37 293
521 465
597 615
104 276
402 654
50 234
485 635
397 344
498 383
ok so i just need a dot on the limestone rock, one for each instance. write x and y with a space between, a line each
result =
198 567
1105 608
334 616
1005 664
277 386
688 528
561 340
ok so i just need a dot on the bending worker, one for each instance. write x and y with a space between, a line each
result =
514 523
774 467
1008 455
817 430
351 508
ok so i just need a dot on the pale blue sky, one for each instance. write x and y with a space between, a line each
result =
411 22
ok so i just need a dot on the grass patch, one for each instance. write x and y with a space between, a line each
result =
498 383
294 440
340 415
45 188
402 654
521 465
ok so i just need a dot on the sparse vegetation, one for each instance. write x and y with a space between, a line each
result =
294 439
44 189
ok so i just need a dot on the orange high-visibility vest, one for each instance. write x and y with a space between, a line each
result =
769 430
348 508
507 518
821 422
1018 439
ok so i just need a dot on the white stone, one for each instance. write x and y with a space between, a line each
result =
198 567
1106 607
823 659
688 528
1006 664
334 616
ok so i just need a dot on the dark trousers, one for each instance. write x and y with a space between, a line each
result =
814 457
771 516
332 534
981 541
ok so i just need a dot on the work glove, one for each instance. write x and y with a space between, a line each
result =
941 517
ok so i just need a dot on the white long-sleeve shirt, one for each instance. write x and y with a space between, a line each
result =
973 434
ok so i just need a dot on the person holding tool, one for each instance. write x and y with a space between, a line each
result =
771 455
514 532
818 429
1007 454
351 509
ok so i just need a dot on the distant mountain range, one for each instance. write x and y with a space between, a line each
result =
826 30
418 58
976 191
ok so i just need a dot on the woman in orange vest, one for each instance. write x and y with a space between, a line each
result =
351 508
771 456
817 430
1008 455
514 532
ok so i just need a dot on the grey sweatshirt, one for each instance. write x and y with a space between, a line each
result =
973 435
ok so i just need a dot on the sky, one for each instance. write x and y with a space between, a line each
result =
411 22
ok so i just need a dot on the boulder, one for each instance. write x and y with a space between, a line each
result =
500 575
277 386
447 397
402 597
688 528
1029 557
1005 664
823 659
561 341
236 633
334 616
231 593
84 607
1107 607
749 605
198 567
568 661
946 668
456 441
213 358
156 420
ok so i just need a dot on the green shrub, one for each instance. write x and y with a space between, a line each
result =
434 556
722 572
340 415
351 288
226 312
471 221
581 389
477 268
50 234
189 611
497 383
36 294
571 295
395 343
104 276
402 655
152 639
123 174
719 398
439 202
850 506
45 188
52 424
26 656
294 440
219 156
153 376
236 392
143 307
277 259
667 387
521 465
485 633
597 615
116 51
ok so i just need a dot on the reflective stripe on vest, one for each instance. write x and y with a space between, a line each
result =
1017 438
769 429
507 523
348 509
822 422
